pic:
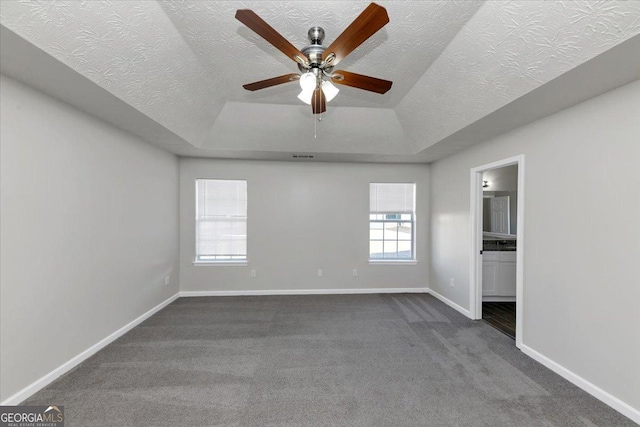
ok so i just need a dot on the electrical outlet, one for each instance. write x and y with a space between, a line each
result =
253 273
167 280
452 283
354 273
319 272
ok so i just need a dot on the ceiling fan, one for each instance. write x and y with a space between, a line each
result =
316 63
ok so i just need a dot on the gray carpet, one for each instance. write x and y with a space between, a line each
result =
343 360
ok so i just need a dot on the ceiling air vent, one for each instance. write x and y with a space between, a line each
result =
302 156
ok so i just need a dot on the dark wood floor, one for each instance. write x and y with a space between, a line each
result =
501 315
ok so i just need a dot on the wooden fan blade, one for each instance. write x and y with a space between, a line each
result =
364 26
318 102
264 30
271 82
360 81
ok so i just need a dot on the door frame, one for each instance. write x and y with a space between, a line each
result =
475 282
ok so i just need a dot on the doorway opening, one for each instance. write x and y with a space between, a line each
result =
497 219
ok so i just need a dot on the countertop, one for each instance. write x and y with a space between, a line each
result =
499 245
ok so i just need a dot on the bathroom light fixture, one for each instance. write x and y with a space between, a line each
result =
485 184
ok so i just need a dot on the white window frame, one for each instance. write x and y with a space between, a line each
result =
395 261
229 259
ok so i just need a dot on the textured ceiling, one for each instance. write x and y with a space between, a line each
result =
183 63
508 49
238 55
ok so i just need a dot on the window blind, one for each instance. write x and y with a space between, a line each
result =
221 219
392 198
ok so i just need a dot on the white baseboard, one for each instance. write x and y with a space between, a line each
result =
617 404
304 292
75 361
450 303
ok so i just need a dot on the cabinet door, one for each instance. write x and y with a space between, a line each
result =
490 278
507 279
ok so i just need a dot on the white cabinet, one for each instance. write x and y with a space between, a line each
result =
507 275
499 274
490 264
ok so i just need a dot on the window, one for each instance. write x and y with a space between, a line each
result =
392 221
221 220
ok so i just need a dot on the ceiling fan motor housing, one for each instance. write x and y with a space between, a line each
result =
314 51
316 35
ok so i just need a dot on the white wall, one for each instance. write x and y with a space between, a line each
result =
89 230
581 235
302 217
502 179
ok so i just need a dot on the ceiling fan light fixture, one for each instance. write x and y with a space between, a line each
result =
308 82
330 91
316 62
305 96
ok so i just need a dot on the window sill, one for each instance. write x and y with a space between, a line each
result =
221 263
393 262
